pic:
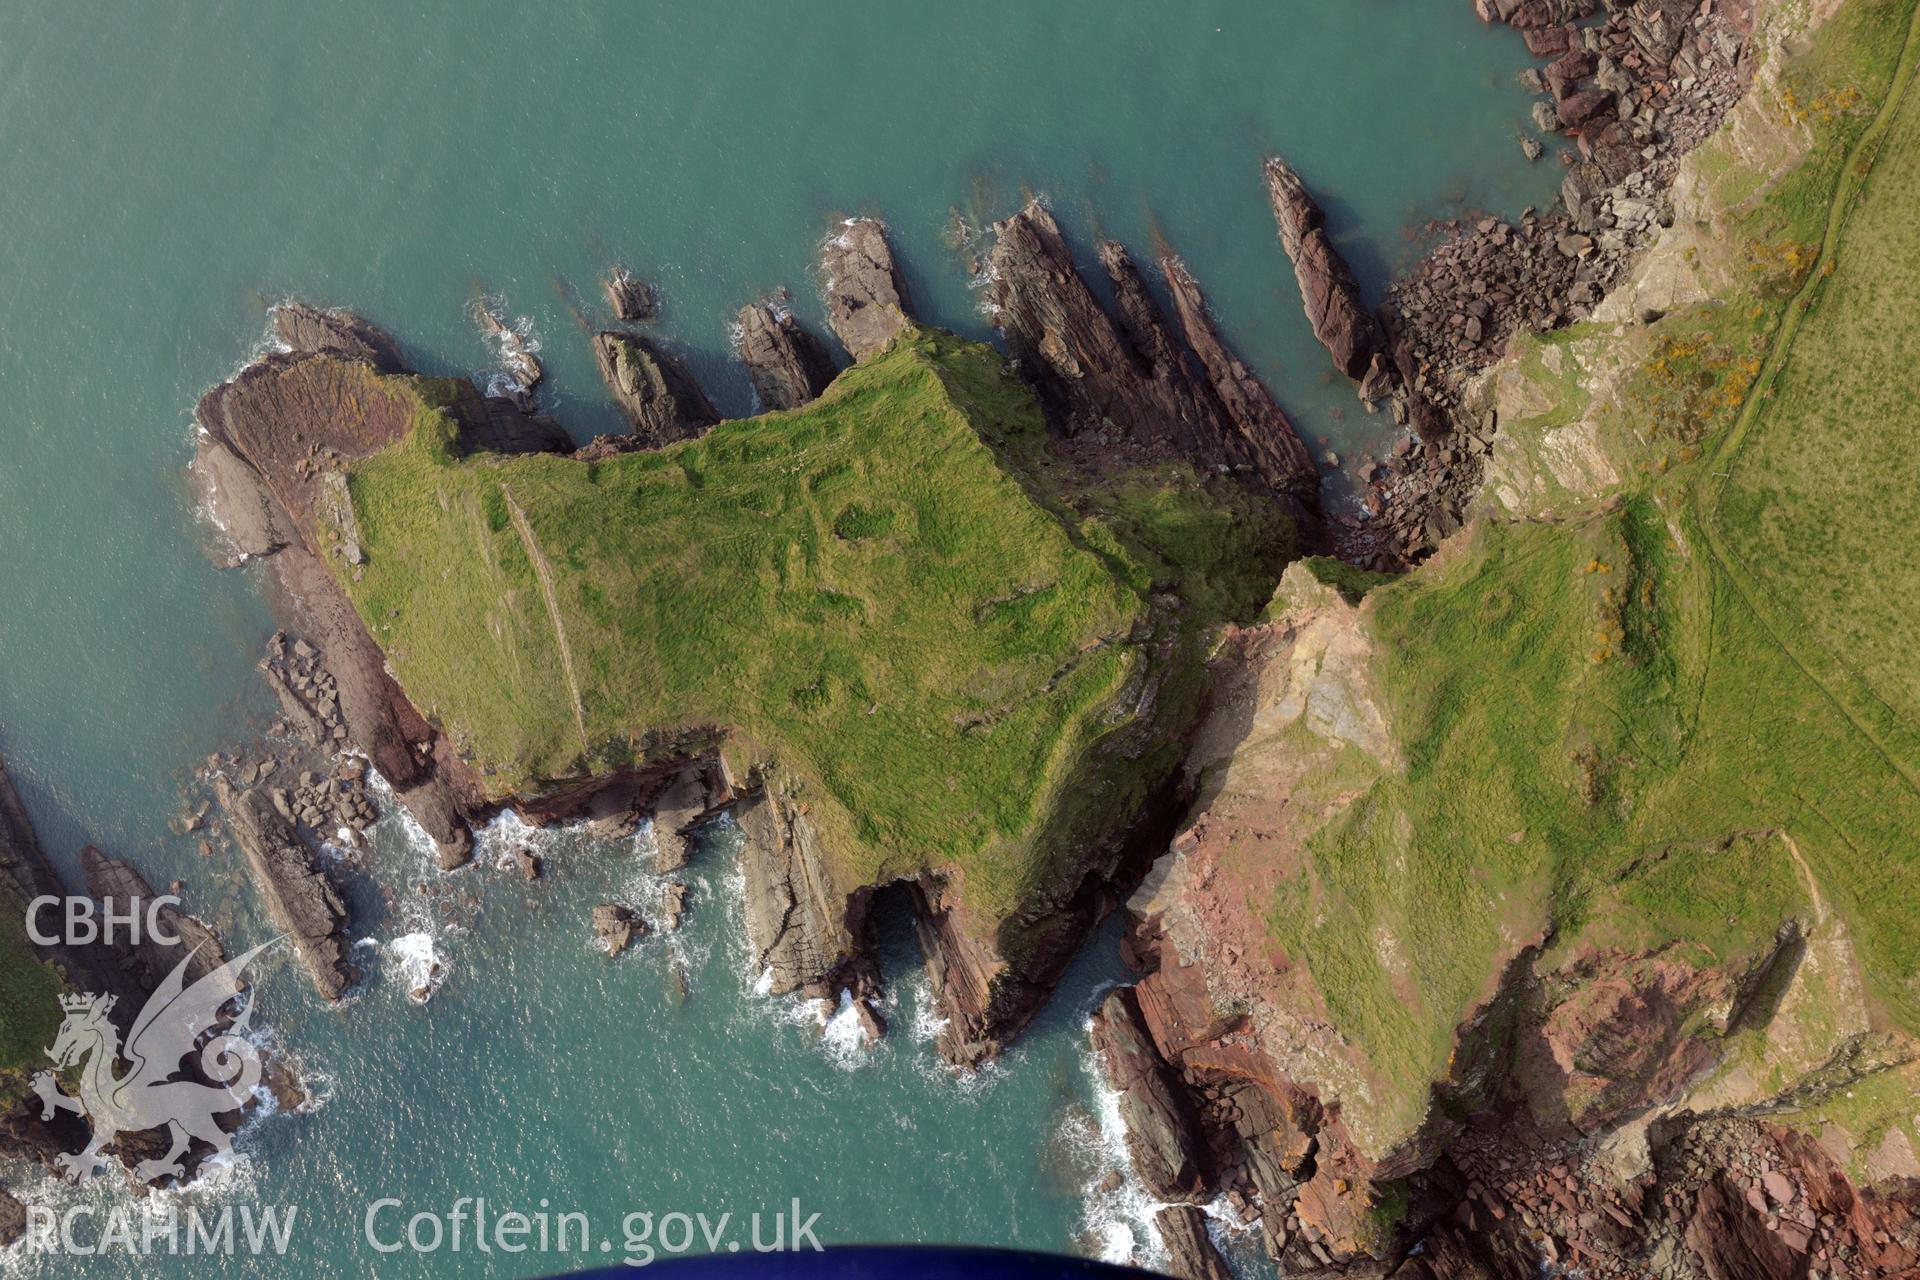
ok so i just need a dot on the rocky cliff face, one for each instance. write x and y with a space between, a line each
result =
27 871
26 874
1590 1096
1634 87
1600 1112
1245 400
118 886
797 919
129 972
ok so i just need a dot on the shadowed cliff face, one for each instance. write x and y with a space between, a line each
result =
1131 391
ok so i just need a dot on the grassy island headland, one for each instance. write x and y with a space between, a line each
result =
891 591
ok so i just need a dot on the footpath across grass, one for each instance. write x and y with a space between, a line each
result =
1626 729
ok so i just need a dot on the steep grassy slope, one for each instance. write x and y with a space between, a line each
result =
889 591
29 1004
1686 716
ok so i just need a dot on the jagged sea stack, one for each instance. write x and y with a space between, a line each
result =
1282 454
1327 286
1130 391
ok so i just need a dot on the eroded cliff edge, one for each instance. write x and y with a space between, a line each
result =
1537 911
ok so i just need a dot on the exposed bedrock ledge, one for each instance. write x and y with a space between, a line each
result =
655 391
1131 391
867 302
798 921
297 891
277 440
305 327
786 364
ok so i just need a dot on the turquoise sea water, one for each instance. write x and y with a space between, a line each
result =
170 169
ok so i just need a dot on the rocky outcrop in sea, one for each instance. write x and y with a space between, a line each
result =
653 388
787 365
631 298
867 303
298 892
1327 286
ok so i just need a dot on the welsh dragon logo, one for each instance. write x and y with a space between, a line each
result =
170 1026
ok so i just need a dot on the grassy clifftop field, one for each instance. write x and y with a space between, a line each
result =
887 591
1676 711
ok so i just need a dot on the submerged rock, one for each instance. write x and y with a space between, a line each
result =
867 305
653 389
787 365
872 1025
517 361
673 901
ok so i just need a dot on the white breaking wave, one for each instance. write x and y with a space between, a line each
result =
1119 1219
418 965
